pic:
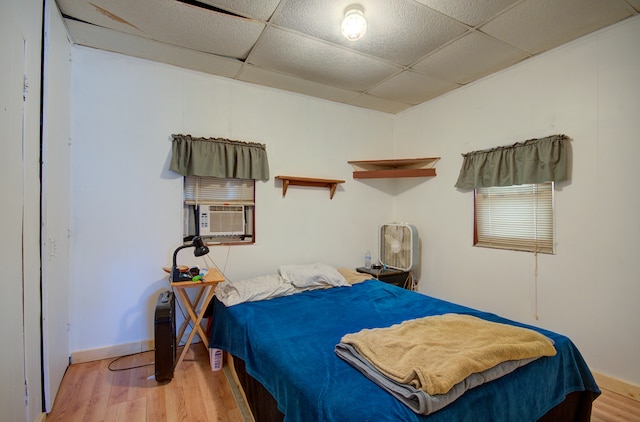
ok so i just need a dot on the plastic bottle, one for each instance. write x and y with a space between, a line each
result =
367 260
215 357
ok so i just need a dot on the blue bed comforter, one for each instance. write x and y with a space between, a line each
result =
288 345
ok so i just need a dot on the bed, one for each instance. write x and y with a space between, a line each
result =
284 356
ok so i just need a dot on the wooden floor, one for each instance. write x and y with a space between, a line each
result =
91 392
611 407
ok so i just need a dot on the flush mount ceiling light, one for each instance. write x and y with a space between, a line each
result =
354 25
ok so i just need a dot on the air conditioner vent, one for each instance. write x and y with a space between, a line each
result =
221 220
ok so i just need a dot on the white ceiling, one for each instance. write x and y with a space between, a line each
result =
413 50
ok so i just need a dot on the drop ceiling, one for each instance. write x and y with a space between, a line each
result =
413 50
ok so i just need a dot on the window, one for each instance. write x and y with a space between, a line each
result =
519 217
219 210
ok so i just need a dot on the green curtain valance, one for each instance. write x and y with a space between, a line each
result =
218 157
533 161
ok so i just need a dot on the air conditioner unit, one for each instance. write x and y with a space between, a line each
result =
221 220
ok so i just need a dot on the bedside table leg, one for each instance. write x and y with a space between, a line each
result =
197 319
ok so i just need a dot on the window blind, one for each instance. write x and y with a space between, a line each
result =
516 217
216 191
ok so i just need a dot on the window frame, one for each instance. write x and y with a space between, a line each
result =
538 237
229 192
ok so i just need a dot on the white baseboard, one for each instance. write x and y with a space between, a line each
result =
617 386
117 350
111 351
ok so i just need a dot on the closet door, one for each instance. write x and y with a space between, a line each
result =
56 209
12 169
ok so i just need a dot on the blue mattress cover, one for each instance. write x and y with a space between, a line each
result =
288 345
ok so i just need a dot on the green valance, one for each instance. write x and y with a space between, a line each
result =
218 157
533 161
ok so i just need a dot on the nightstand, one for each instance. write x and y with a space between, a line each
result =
210 282
392 276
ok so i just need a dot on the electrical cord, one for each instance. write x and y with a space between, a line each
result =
130 367
190 324
182 311
408 282
216 265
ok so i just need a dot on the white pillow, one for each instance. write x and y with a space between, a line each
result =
253 289
313 275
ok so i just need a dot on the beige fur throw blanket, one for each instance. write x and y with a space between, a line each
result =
435 353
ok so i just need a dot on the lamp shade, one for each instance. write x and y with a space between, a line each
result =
201 250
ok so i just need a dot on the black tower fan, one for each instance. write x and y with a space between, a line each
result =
165 336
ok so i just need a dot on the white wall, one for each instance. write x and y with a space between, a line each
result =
127 210
589 289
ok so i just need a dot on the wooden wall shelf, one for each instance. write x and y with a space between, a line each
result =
332 184
405 167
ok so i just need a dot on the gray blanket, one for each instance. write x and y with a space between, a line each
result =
418 400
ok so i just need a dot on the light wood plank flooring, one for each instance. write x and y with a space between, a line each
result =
90 392
612 407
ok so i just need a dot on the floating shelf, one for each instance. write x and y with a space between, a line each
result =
405 167
332 184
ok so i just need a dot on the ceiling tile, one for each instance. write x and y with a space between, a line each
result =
412 88
400 31
261 10
110 13
635 4
379 104
313 60
537 25
204 30
144 48
271 79
295 45
470 12
469 58
171 22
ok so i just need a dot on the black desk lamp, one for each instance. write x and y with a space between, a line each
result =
201 250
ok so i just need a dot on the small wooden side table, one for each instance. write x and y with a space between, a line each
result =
212 279
389 275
